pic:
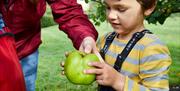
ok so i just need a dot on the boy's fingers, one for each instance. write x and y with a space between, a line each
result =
99 77
100 82
96 64
93 71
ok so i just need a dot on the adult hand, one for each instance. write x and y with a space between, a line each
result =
107 75
62 64
88 45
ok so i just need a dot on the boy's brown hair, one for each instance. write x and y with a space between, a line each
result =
147 4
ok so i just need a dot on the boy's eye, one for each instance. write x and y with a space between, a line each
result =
121 9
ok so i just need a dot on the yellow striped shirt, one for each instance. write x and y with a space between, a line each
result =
146 67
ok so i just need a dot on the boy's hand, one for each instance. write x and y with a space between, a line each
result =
107 75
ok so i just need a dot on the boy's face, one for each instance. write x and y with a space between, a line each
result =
125 16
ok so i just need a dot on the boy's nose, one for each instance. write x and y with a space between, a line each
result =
112 15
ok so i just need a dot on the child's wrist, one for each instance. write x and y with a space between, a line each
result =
118 84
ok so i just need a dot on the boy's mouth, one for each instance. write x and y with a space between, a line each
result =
115 25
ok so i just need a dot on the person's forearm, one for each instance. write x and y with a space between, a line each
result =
72 20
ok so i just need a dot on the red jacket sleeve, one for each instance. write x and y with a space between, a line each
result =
71 19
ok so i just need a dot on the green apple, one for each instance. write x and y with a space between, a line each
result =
75 64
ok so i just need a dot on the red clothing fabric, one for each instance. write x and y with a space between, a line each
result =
11 76
23 18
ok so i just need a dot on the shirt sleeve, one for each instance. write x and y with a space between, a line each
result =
154 66
71 19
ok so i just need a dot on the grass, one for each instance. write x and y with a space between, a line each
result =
56 43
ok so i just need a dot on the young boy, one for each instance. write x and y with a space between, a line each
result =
146 66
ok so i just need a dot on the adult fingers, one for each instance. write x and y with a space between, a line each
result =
88 48
66 54
62 73
81 48
62 64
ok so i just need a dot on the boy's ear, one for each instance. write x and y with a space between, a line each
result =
150 10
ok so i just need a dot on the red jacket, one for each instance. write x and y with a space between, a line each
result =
23 18
11 75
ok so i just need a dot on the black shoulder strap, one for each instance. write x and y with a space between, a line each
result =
108 42
122 56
